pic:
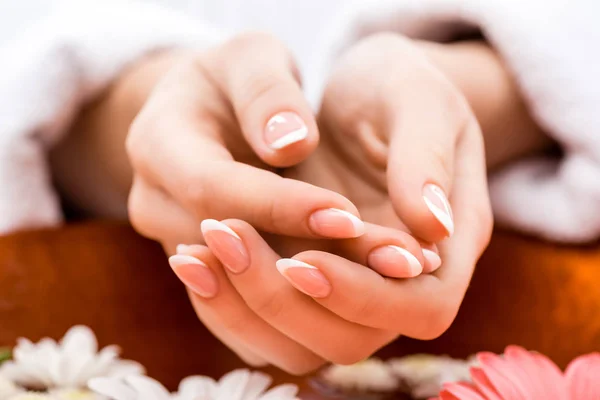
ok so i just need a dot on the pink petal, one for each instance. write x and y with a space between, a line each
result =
551 377
531 375
502 376
484 385
583 377
463 391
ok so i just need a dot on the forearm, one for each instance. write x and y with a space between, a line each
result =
508 129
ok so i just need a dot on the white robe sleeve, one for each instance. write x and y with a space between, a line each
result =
52 70
553 50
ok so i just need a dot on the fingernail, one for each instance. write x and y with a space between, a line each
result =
226 245
195 275
395 262
438 204
284 129
336 224
432 260
304 277
182 248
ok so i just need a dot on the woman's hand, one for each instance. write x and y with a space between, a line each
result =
392 125
208 139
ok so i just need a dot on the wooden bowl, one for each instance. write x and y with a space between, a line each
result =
104 275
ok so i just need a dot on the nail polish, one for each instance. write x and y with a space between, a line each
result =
395 262
195 275
226 245
433 260
336 224
285 129
304 277
438 204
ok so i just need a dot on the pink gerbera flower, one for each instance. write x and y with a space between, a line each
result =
524 375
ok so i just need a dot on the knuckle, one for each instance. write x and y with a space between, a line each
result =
437 319
260 86
196 190
366 307
138 217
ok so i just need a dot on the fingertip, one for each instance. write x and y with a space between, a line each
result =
288 139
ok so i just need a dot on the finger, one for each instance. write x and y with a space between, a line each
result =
258 75
363 296
268 294
155 215
428 303
390 252
421 159
473 211
229 317
196 169
235 344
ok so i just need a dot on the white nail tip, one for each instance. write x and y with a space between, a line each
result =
413 262
181 248
290 138
214 225
181 259
286 263
359 226
433 258
444 216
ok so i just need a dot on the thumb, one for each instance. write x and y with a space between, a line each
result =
257 74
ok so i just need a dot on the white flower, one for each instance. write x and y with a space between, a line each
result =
424 374
68 364
7 389
372 375
236 385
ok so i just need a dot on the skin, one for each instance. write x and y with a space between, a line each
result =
409 116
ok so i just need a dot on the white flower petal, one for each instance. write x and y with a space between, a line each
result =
256 386
114 389
147 388
197 387
232 385
47 364
124 368
281 392
79 339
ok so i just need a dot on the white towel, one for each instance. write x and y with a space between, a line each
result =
552 47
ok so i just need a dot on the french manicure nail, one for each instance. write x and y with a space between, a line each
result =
433 260
337 224
304 277
195 275
226 245
438 204
285 129
395 262
182 248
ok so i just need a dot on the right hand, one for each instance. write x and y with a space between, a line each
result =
209 138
